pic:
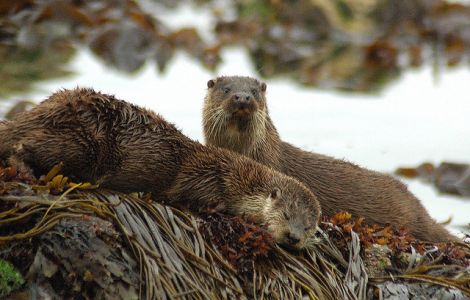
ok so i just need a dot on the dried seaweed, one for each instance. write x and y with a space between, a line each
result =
443 264
174 254
239 240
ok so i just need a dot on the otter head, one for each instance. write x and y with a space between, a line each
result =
234 105
291 214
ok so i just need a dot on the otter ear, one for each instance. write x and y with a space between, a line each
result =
263 87
210 83
275 194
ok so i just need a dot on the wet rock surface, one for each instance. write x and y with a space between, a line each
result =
342 45
447 177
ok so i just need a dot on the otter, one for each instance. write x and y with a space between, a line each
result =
99 138
236 117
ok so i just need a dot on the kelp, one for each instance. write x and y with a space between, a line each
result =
128 245
173 257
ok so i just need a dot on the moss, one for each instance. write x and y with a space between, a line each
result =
10 278
257 9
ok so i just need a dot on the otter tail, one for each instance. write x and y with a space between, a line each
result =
431 231
440 233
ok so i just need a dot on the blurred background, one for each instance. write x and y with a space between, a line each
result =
382 83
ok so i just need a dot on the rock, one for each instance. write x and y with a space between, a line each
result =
377 259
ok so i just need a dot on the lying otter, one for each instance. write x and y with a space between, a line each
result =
127 148
236 117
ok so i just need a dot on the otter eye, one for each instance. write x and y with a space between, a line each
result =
286 216
226 90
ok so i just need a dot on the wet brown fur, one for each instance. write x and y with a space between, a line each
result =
339 185
127 148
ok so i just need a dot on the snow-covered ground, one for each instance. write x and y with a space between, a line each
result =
415 119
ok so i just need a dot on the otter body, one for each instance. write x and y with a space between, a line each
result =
123 147
236 117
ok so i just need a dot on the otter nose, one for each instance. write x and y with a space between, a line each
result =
293 239
242 97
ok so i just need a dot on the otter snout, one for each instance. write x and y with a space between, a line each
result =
242 97
242 101
293 239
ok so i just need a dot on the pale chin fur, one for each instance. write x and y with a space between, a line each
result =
217 130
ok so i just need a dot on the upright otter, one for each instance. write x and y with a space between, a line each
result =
127 148
236 117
